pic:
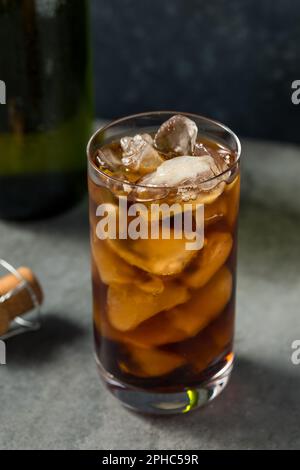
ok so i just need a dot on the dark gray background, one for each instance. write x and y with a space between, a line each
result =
231 60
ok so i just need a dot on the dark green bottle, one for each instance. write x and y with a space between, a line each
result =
45 124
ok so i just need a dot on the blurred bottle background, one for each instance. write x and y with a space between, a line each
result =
44 126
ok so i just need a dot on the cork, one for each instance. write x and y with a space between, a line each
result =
21 301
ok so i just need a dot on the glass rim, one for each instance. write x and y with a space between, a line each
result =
153 114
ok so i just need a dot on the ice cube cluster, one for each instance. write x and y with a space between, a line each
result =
173 158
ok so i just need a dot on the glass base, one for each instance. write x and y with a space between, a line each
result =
168 403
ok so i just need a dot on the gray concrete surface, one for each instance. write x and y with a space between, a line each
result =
50 393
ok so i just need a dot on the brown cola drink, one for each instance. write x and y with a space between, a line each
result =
164 199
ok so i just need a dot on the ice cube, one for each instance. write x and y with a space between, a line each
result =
177 135
128 306
184 171
139 153
150 362
204 348
222 160
114 270
207 302
156 331
215 211
111 268
162 257
200 150
209 260
107 159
